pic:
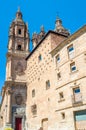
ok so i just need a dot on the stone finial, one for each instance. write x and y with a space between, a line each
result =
27 24
42 32
42 28
59 27
19 9
18 14
35 39
34 35
58 21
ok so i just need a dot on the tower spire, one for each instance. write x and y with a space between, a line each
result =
59 27
18 9
19 14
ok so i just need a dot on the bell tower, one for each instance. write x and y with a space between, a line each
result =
18 47
15 87
18 34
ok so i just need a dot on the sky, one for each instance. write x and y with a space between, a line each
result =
37 13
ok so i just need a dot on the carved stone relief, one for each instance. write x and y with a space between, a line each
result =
18 99
19 94
19 68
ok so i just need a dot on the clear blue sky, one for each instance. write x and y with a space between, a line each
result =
37 13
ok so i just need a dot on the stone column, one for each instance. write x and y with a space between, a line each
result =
9 109
8 68
27 46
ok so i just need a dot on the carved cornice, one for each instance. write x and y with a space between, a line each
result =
12 83
22 54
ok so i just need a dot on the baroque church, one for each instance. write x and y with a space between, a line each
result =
45 88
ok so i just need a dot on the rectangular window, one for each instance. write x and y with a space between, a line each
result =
63 115
19 31
40 57
33 93
57 58
45 124
47 84
73 67
71 51
77 90
61 95
34 109
19 47
58 75
77 96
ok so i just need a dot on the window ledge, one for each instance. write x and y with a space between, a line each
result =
63 121
61 100
59 79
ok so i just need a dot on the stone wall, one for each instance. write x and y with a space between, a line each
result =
57 111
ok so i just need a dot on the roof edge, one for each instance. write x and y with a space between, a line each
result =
72 37
50 31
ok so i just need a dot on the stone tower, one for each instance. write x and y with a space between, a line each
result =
17 49
15 88
36 38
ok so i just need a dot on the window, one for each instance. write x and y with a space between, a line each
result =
76 90
59 76
73 67
47 84
61 95
45 124
77 96
19 47
71 51
33 93
34 109
40 57
19 31
63 115
57 58
71 48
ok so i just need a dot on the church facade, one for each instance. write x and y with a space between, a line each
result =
44 88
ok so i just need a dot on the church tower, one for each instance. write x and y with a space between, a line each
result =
15 89
17 49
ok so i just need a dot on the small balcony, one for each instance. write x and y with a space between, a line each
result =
77 99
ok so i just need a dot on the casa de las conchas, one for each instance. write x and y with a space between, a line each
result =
44 88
